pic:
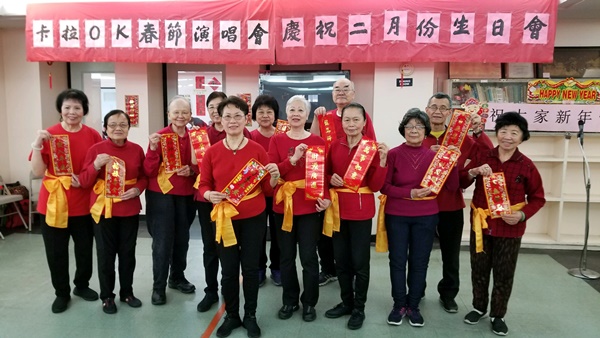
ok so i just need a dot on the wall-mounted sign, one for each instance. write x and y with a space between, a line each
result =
564 91
404 82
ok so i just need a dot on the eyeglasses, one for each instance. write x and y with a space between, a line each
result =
120 125
442 109
234 117
345 90
418 127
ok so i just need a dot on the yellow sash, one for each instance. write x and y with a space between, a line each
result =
197 183
222 214
57 209
480 223
381 239
104 203
163 179
332 214
285 194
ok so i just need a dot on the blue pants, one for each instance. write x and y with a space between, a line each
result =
410 239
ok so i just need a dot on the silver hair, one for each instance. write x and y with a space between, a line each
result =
300 98
179 97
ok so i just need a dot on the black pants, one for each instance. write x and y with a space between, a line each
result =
169 219
56 242
500 259
325 250
249 233
304 234
352 251
116 236
450 228
274 252
210 255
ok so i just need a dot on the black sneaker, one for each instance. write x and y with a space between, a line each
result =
415 318
86 293
231 322
276 277
207 302
158 297
109 306
396 315
309 313
325 278
499 326
287 311
449 305
338 311
251 326
356 320
60 304
474 316
183 285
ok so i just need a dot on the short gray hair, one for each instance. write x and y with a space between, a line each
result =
300 98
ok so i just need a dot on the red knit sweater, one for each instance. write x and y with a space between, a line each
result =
281 149
220 165
354 206
133 155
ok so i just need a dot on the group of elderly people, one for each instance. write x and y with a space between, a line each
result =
91 188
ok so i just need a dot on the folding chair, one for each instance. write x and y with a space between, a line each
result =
7 198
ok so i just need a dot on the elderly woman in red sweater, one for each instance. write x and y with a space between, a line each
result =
352 240
495 242
169 201
240 229
297 219
116 219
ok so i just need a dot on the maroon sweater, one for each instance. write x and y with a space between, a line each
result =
182 185
133 155
406 168
523 182
281 149
354 206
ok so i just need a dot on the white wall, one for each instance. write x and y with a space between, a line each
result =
578 33
22 105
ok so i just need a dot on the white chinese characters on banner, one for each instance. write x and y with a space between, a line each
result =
549 117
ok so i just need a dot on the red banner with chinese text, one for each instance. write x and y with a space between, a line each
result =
171 154
496 195
293 32
315 172
360 164
439 169
244 181
60 151
324 31
457 129
114 178
327 128
208 32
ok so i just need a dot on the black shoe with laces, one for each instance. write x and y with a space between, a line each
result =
309 313
356 320
183 285
231 322
499 326
325 278
338 311
86 293
287 311
109 306
251 326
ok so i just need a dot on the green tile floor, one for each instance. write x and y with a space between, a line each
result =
546 302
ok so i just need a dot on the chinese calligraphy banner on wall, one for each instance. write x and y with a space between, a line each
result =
293 32
320 31
549 117
167 31
564 91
